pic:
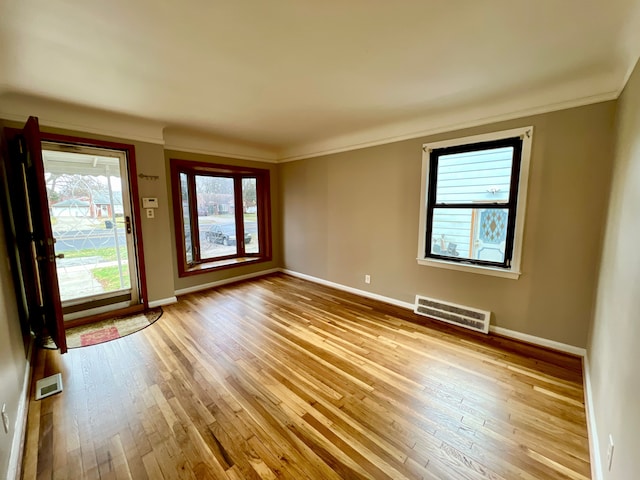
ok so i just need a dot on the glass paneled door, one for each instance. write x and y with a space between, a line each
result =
90 212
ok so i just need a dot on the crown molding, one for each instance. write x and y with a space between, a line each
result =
44 121
50 113
18 107
207 144
220 153
570 94
628 74
629 45
448 122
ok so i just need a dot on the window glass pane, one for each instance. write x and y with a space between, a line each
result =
86 210
250 215
216 216
471 233
478 176
186 217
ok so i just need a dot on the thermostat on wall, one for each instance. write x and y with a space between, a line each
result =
149 203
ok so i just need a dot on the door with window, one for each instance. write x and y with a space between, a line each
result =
90 212
72 228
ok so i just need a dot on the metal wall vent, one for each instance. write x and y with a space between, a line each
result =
46 387
466 317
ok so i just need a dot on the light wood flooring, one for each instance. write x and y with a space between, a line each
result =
281 378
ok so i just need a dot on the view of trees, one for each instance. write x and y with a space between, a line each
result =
64 186
215 194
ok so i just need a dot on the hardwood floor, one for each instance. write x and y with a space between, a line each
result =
282 378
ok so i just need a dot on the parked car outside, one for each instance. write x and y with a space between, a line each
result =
225 234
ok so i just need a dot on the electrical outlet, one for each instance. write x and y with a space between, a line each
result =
5 418
367 279
610 452
151 213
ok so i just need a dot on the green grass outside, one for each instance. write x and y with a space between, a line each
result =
106 253
109 278
227 218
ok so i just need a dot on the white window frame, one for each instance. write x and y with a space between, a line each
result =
514 272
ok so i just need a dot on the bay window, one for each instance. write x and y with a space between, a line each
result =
222 215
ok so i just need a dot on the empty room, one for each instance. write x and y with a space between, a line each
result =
306 240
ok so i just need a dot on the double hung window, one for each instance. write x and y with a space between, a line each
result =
472 210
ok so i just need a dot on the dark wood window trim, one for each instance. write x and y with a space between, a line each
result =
130 152
263 200
510 204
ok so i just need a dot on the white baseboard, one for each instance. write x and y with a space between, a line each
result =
356 291
543 342
162 301
20 428
594 443
217 283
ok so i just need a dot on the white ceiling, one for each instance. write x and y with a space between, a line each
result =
292 78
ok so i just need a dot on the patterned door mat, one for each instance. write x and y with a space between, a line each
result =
106 330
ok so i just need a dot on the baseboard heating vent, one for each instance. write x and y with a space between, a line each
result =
466 317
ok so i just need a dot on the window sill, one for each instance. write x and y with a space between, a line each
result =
479 269
221 265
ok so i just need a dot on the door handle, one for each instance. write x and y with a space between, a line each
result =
127 222
52 258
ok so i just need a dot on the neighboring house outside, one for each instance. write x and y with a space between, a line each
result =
98 206
215 204
101 205
73 207
473 233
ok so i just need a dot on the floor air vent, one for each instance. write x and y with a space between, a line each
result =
466 317
46 387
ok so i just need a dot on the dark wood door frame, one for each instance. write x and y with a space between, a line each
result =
136 209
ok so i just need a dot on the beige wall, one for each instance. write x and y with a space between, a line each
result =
195 280
356 213
13 361
614 356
